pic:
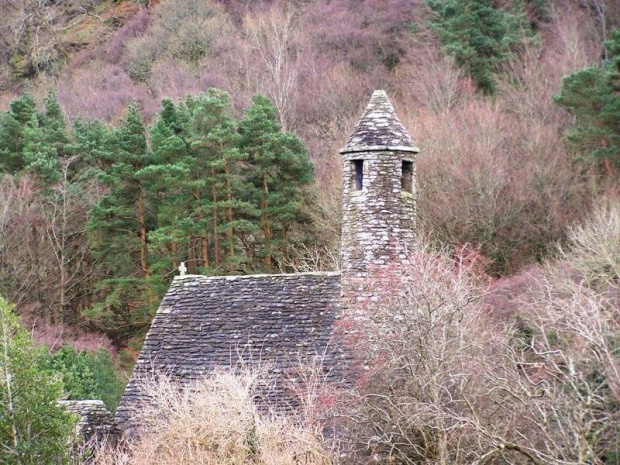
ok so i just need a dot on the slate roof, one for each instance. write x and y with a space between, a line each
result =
204 322
379 128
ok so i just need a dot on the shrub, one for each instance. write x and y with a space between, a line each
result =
87 375
214 421
183 30
483 183
34 428
420 345
593 247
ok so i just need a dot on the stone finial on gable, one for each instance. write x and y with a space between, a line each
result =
379 128
182 269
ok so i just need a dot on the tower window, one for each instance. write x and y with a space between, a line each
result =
358 165
406 177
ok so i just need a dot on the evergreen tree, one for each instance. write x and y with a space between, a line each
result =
479 36
279 169
125 209
90 143
592 96
33 141
119 227
165 179
34 428
198 177
231 208
13 124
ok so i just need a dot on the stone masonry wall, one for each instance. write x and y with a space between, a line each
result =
379 220
95 422
378 224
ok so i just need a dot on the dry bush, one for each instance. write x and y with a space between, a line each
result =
444 381
56 336
102 91
497 182
593 248
567 351
421 343
570 374
215 420
26 254
185 31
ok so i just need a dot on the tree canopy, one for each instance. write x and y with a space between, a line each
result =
592 96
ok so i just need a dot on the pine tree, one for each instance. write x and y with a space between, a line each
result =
198 177
119 227
479 36
125 209
280 168
592 96
165 179
34 428
237 214
13 124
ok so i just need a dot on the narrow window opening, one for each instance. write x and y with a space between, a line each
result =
359 174
406 178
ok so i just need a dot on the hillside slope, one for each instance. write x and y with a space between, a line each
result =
473 80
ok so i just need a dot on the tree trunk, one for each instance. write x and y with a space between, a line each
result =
216 239
204 247
231 230
174 250
143 231
265 226
204 239
608 169
62 304
191 262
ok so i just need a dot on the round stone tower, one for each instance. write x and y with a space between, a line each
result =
379 192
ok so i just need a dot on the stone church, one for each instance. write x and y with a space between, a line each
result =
204 322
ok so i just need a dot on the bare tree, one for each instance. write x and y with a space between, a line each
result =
272 62
442 382
66 218
25 258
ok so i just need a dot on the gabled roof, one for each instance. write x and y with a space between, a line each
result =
379 128
204 322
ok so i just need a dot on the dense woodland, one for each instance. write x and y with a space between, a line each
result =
136 135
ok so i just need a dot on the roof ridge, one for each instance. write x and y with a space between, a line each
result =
264 275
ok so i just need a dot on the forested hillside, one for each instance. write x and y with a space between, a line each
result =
136 135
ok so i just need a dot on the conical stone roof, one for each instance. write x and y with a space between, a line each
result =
379 128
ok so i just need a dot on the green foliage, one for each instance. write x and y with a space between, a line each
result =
119 223
281 169
229 192
592 96
31 141
13 124
223 195
479 36
34 428
87 375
